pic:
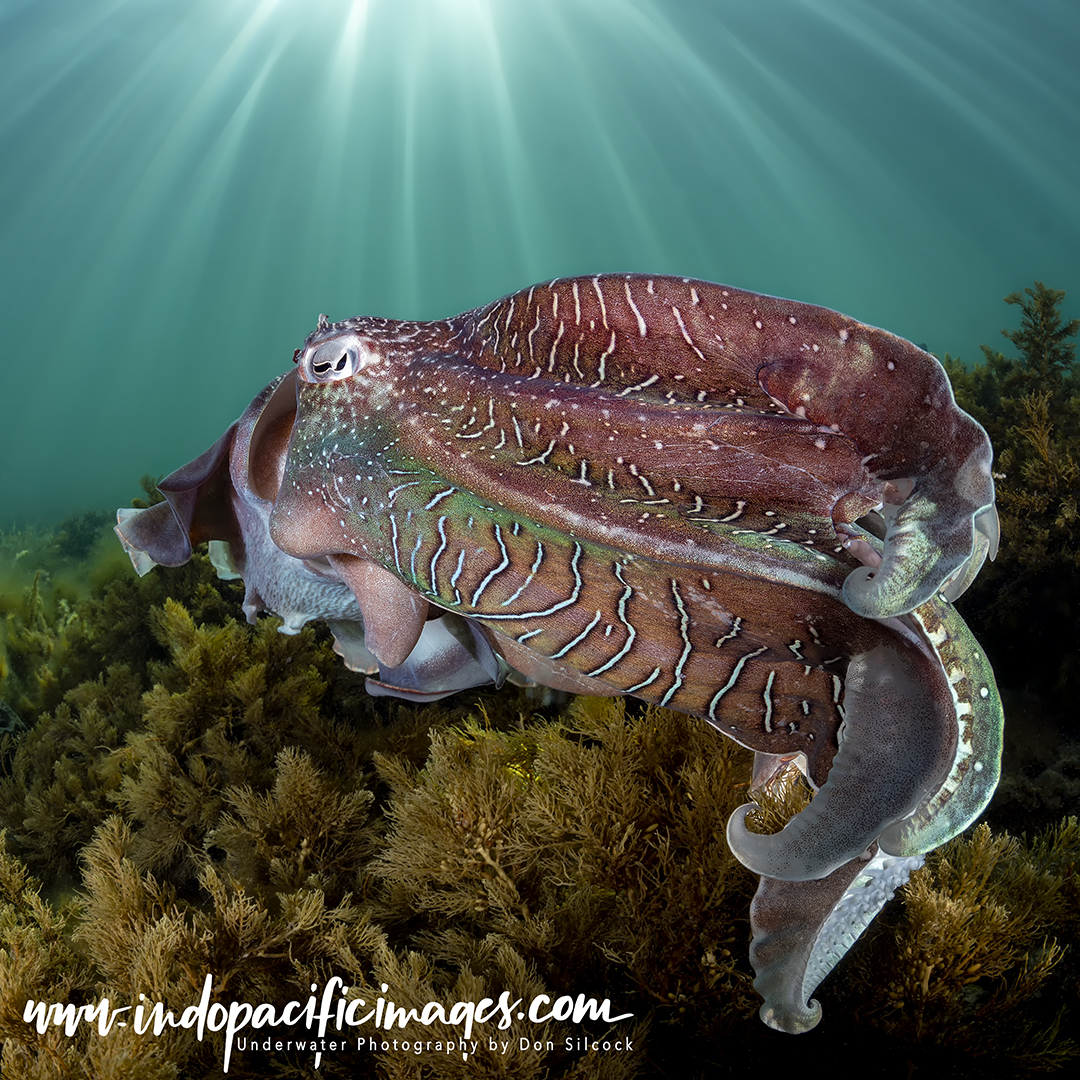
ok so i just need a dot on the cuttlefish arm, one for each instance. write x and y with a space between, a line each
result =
895 747
895 401
924 720
802 929
975 770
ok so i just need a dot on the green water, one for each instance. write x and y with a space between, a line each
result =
186 184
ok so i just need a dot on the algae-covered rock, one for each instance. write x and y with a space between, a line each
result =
1025 607
587 844
977 961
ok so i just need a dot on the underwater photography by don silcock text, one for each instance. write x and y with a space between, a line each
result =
552 663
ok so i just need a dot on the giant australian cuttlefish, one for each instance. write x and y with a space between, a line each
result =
749 509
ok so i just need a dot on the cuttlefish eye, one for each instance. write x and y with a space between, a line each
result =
337 358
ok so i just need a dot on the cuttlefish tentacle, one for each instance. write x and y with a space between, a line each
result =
926 550
803 928
987 535
893 731
980 722
927 725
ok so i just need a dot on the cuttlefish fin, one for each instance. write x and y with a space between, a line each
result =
198 507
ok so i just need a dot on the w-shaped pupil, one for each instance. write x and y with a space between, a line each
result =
321 367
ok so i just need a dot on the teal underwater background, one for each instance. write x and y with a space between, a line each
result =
187 185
